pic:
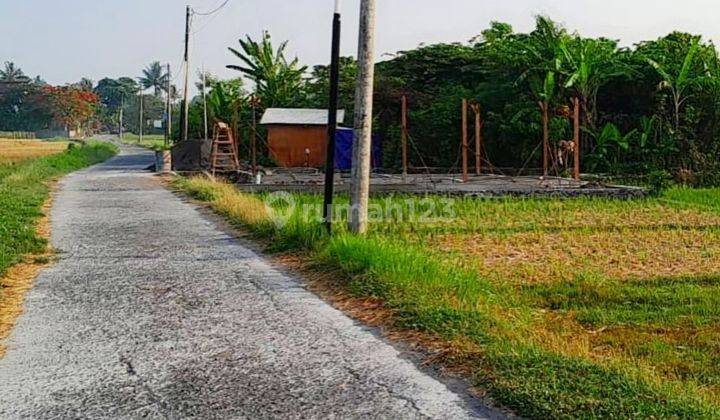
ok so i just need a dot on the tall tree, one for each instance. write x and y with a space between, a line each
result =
154 77
12 73
278 82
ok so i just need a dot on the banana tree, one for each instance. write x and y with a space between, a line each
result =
609 144
591 64
680 83
278 82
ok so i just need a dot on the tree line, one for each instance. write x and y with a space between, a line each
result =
652 108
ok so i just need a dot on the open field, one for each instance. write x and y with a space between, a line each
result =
12 151
582 307
23 191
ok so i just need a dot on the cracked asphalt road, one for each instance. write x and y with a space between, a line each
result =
154 312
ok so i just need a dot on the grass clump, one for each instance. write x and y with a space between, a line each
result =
586 308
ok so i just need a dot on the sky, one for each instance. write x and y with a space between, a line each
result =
65 40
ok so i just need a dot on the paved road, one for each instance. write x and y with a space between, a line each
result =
153 311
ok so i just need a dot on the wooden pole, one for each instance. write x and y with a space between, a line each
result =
404 136
362 144
465 140
478 140
544 106
576 137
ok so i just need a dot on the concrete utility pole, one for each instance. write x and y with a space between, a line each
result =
168 129
140 126
362 144
122 105
204 96
186 104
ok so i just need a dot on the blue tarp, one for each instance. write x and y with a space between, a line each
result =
344 150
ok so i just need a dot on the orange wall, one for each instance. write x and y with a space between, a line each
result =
288 143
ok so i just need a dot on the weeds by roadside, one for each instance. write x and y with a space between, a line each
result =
589 344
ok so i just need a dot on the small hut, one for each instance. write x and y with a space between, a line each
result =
297 137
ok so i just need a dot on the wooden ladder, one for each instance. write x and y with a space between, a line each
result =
224 158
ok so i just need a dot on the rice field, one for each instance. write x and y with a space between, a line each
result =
14 151
583 307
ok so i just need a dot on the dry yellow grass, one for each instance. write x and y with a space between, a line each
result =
12 151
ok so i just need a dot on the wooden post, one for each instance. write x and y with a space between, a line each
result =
404 136
576 137
546 138
465 140
478 139
360 190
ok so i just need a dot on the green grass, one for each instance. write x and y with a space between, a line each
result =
586 308
152 141
24 189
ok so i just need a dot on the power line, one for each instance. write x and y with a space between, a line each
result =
217 9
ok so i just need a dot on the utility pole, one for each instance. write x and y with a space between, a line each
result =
168 129
332 117
140 129
122 105
204 96
186 104
360 194
404 122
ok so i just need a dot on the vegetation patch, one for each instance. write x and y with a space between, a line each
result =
598 337
24 190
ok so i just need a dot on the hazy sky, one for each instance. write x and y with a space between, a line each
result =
64 40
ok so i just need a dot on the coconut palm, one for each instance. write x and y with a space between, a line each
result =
154 78
278 82
12 73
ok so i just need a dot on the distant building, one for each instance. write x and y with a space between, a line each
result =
298 137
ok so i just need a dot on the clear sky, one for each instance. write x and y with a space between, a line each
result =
64 40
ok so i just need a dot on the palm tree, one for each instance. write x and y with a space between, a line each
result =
154 78
12 73
680 83
278 82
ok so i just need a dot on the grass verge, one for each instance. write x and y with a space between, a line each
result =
604 339
24 228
